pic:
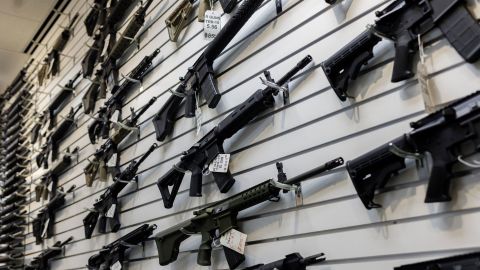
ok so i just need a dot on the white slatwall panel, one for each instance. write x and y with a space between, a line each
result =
314 128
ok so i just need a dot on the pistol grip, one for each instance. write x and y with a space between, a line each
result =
102 224
205 250
224 181
404 54
190 104
196 183
438 189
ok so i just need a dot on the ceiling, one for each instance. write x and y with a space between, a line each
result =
19 21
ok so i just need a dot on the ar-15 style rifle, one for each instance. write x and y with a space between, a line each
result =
106 208
42 225
222 217
200 156
404 21
200 78
92 93
96 16
293 261
441 134
41 261
61 100
101 126
59 45
57 136
48 182
110 147
460 262
93 55
113 254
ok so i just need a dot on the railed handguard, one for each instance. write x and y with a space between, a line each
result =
201 77
441 134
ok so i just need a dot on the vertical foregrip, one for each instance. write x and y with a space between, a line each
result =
233 26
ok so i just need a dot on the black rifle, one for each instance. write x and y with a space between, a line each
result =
42 225
441 134
198 157
96 16
19 196
93 55
293 261
14 216
124 42
59 45
40 262
116 15
41 121
101 126
106 208
60 100
403 21
13 227
15 187
92 93
228 5
110 147
200 78
469 261
222 217
56 137
50 179
114 253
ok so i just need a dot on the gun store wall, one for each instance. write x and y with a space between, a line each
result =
308 134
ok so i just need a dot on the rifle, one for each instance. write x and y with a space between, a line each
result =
96 16
42 225
113 254
222 217
57 136
61 100
19 80
404 21
460 262
41 121
13 227
93 55
107 207
200 78
14 216
293 261
117 13
59 45
92 93
441 134
101 126
50 179
109 148
17 186
200 156
19 196
40 262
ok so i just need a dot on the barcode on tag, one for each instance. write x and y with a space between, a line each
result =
116 266
234 240
112 162
111 212
220 163
212 24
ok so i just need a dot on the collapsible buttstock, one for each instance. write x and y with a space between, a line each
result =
173 179
165 118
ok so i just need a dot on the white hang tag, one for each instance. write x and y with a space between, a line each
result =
220 163
116 266
298 196
198 115
112 162
234 240
44 233
111 212
212 24
424 80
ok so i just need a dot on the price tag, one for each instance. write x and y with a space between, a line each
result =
44 233
111 212
116 266
212 24
234 240
112 162
220 163
424 80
